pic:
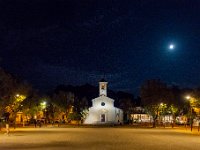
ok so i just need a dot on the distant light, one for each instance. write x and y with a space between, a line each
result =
44 103
17 95
188 97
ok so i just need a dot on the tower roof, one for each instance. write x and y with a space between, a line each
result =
102 80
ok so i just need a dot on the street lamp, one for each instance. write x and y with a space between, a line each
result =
191 121
163 107
43 106
161 113
188 97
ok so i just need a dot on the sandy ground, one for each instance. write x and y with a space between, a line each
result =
99 138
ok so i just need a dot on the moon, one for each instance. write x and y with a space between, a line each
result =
171 46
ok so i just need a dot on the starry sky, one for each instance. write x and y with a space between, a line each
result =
75 42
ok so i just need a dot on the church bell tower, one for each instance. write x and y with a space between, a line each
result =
103 87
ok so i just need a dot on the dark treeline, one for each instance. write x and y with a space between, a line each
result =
72 102
81 97
158 99
17 95
90 92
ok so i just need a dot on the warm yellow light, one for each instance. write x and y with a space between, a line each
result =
188 97
19 98
43 105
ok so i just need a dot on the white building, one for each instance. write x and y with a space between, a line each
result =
139 118
103 110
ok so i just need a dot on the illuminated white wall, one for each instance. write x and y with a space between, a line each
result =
112 114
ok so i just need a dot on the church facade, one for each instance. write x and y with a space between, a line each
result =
103 110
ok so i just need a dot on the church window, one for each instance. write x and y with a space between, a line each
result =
102 104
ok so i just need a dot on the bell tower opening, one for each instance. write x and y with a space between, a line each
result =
103 88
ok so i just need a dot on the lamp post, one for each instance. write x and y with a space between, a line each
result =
44 105
161 113
163 109
191 120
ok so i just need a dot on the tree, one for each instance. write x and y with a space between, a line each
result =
154 93
30 105
193 105
12 94
125 101
7 87
64 101
21 92
195 101
81 107
172 109
126 105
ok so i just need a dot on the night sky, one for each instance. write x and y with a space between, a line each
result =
76 42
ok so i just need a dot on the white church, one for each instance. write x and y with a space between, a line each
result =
103 110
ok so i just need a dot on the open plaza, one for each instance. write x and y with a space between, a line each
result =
102 138
99 75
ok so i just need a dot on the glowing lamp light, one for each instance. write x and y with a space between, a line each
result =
43 104
187 97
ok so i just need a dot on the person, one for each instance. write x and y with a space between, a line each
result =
52 123
14 125
39 123
58 123
172 123
0 125
7 129
35 123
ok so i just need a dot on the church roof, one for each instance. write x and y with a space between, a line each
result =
100 98
102 80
